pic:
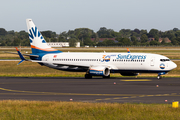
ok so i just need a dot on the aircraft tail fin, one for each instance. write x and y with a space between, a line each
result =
37 41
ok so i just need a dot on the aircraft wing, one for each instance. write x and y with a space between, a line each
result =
63 64
84 66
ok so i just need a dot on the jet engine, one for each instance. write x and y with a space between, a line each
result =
99 71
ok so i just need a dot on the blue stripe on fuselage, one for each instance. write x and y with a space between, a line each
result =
41 53
37 51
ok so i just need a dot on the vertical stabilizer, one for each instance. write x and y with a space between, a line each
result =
37 41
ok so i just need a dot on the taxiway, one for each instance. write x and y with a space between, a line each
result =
121 90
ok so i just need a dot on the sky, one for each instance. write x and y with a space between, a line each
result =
65 15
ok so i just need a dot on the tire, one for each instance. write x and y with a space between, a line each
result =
106 76
159 77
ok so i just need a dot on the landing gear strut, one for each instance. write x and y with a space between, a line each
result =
161 73
88 76
106 76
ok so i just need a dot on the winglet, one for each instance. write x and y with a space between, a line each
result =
21 56
128 50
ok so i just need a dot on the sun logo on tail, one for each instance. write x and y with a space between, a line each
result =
34 33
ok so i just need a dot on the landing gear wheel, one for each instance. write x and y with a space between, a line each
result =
106 76
88 76
159 77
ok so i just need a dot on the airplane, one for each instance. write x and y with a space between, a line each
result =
94 64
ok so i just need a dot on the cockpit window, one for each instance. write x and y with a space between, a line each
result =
163 60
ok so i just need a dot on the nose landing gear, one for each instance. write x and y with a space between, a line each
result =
159 77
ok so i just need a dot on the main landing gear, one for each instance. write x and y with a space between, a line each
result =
106 76
88 76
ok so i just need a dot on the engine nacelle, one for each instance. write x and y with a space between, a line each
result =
99 71
129 74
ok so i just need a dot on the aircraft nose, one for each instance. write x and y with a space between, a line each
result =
173 65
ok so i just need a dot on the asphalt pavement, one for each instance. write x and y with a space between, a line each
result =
121 90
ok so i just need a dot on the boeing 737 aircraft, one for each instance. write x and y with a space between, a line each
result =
94 64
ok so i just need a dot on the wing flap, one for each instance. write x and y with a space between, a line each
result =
63 64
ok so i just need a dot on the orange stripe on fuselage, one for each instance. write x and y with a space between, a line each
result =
46 49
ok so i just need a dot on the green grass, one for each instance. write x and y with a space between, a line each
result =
41 110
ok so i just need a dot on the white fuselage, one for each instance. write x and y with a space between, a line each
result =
116 62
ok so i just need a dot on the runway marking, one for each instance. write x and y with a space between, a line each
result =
98 99
137 80
117 98
149 95
158 95
124 96
107 98
133 97
142 96
52 93
172 94
50 82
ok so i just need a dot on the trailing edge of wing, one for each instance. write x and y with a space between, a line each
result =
72 65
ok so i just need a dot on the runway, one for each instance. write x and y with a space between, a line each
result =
121 90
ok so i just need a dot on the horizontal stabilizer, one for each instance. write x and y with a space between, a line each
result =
23 54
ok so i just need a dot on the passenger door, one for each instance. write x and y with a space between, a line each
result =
152 61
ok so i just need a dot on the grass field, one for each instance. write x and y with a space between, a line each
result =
40 110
